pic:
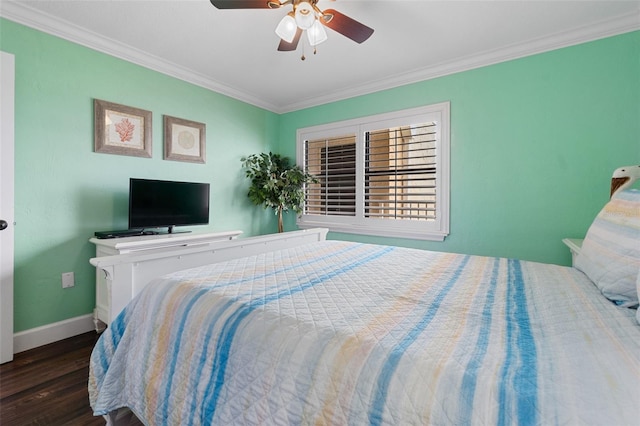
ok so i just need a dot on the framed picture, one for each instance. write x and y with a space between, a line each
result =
184 140
122 130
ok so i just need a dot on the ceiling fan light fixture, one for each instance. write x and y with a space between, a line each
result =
316 34
274 4
287 28
305 15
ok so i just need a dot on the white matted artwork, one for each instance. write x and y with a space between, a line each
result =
184 140
122 130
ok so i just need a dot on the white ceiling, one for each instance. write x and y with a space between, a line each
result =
234 51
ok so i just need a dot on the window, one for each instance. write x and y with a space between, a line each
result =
382 175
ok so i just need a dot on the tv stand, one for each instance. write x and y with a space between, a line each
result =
109 300
171 230
121 277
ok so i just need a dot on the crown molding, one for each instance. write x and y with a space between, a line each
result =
606 28
33 18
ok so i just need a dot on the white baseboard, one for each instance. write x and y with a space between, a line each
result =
50 333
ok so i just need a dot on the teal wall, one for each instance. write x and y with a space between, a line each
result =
533 144
64 191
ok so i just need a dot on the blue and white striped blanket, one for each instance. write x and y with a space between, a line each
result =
353 334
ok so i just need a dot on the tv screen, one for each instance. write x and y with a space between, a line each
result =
161 203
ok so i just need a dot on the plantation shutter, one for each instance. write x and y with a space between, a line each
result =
400 173
333 162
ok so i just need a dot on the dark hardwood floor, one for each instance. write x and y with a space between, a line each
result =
48 385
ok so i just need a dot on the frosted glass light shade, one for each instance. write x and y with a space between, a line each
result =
316 34
305 15
287 28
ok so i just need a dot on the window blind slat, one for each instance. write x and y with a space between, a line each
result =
400 173
333 163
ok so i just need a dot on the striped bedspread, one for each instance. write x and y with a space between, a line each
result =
354 334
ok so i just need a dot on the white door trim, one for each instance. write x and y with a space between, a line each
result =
7 97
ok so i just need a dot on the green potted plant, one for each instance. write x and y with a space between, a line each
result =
276 183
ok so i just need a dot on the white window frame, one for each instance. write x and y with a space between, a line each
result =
433 230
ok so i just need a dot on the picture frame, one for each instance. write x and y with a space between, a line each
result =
184 140
121 129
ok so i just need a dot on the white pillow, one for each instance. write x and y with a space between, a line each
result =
610 253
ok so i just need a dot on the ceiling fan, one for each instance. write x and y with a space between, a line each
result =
305 16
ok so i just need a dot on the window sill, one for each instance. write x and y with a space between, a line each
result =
375 231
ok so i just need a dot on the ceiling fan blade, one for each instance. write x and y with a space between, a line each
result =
346 26
287 47
240 4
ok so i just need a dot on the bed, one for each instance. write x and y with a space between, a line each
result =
342 333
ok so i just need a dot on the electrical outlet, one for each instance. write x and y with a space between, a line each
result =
68 280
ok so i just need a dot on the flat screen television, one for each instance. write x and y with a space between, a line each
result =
162 203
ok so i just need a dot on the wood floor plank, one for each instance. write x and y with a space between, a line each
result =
48 385
42 371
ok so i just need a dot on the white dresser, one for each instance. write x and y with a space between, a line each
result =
109 303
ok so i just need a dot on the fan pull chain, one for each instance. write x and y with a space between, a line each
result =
303 57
